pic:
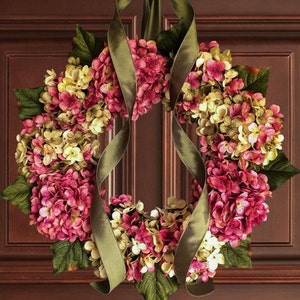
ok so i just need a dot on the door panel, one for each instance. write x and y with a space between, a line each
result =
35 37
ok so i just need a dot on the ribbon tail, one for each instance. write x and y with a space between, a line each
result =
187 52
108 248
188 153
200 290
104 237
199 220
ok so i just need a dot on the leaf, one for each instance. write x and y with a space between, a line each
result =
18 193
169 41
255 80
86 46
68 256
28 102
279 171
238 257
156 286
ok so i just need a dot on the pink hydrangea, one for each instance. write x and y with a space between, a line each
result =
143 236
133 271
131 222
234 87
69 103
213 70
60 204
170 237
207 46
237 200
200 268
53 106
183 107
38 121
151 69
124 199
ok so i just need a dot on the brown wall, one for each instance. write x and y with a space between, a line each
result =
37 36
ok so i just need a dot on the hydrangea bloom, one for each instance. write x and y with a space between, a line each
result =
237 200
238 134
60 205
150 240
151 69
58 149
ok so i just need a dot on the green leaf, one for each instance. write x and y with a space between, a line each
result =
18 193
238 257
68 256
156 286
28 102
255 80
86 46
170 40
279 171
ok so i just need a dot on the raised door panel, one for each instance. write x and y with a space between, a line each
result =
34 39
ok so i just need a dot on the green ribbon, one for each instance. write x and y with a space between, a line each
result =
188 153
199 220
187 52
151 23
105 240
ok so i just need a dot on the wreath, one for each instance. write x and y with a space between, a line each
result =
236 165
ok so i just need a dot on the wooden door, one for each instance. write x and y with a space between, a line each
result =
36 36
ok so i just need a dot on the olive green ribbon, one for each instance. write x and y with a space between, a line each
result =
199 219
187 52
188 154
104 237
151 23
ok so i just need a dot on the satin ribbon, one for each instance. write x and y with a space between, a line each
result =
188 154
105 240
151 23
199 219
187 52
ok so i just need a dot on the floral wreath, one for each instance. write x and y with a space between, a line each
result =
239 160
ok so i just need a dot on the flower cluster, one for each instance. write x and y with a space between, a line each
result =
58 149
236 198
232 123
206 260
238 135
60 204
150 240
151 70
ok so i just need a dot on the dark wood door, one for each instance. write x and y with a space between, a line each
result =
37 36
